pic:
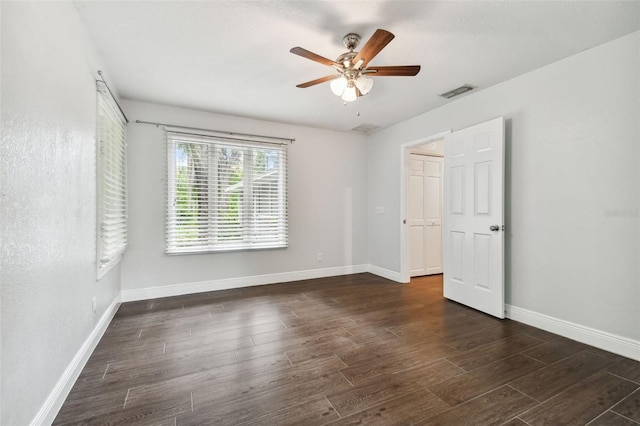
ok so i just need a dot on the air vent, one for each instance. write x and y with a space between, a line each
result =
366 128
457 91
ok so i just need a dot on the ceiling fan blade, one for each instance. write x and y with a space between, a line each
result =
376 43
314 57
317 81
402 71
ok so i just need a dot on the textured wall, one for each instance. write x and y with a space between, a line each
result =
48 202
572 161
327 202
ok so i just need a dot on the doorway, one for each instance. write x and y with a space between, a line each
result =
431 146
473 215
424 210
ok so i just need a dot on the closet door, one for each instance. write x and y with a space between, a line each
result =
425 215
433 209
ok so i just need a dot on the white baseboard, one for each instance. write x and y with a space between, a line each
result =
56 398
609 342
385 273
228 283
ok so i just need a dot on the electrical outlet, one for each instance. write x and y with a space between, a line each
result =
94 306
320 257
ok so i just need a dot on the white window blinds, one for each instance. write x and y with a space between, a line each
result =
111 179
225 194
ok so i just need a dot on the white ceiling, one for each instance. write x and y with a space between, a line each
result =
233 57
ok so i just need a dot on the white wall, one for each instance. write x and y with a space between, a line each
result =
327 202
48 226
572 148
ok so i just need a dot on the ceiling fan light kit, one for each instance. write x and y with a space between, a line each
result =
352 80
346 88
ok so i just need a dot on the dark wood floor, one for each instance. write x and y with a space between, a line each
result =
345 350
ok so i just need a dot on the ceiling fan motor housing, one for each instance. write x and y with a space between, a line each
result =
346 59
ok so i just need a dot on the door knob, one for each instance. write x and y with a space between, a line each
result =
494 228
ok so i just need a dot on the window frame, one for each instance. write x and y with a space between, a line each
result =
248 205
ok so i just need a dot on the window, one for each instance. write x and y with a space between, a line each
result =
111 179
225 194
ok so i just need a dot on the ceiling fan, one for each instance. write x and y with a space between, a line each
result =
351 80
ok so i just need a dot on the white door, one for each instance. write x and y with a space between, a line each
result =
433 184
416 219
473 217
425 215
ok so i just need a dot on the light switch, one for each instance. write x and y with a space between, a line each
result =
379 210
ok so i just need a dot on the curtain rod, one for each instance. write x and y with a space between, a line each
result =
216 131
114 98
227 138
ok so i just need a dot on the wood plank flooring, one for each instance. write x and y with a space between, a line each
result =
347 350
